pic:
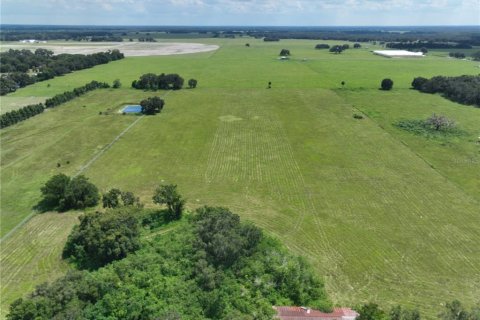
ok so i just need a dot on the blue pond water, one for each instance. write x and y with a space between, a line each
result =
132 109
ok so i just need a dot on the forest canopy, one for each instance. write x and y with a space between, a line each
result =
209 266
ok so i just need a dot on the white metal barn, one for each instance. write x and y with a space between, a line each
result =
398 54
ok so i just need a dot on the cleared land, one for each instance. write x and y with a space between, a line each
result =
130 49
383 214
9 103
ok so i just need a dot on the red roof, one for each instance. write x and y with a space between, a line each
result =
300 313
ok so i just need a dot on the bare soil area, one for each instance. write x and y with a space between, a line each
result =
129 49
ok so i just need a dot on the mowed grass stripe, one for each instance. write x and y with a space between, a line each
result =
384 191
33 255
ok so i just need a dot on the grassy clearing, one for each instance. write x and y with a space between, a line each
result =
384 215
9 103
33 255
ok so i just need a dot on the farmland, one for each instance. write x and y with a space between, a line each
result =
384 215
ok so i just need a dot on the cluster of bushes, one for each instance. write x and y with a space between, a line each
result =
109 38
14 116
146 39
339 48
462 89
458 55
69 95
322 46
270 39
212 266
15 65
63 193
152 105
151 81
434 126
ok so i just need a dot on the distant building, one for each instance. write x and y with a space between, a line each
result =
32 41
303 313
398 54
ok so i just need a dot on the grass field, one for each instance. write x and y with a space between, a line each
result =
384 215
32 255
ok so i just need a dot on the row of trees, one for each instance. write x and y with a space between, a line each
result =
417 45
15 65
69 95
458 55
462 89
211 266
14 116
49 33
337 48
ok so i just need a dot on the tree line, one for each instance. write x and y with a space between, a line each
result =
417 45
38 34
70 95
462 89
15 65
15 116
460 55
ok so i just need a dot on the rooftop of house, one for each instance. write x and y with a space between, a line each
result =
300 313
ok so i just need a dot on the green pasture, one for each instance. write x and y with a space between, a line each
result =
384 215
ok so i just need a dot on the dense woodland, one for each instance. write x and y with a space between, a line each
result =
210 266
462 35
15 116
20 68
463 89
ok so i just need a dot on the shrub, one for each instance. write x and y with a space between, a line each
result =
386 84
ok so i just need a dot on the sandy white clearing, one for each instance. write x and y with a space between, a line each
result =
129 49
398 53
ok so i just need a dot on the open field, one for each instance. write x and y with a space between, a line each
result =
384 215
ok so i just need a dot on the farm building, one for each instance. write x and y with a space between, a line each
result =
303 313
398 54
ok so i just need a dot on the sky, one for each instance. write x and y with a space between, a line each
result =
242 12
